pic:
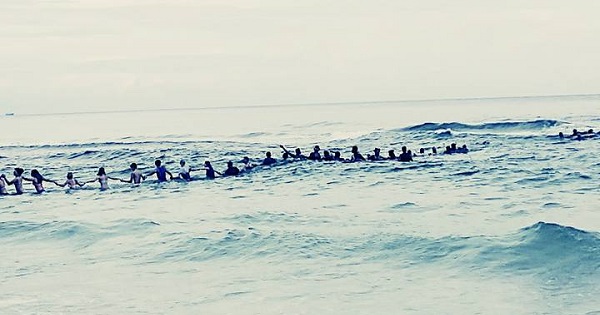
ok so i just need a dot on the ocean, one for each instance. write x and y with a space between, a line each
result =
512 227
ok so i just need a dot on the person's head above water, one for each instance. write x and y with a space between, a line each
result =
157 163
101 171
422 151
377 151
182 163
246 160
404 149
298 151
434 150
575 132
561 135
337 154
35 174
391 153
326 153
317 148
453 146
229 164
133 166
18 171
69 175
285 156
354 149
207 163
268 154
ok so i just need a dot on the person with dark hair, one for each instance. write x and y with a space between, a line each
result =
269 160
356 156
463 149
406 155
37 180
161 172
327 156
17 181
433 150
315 155
136 175
247 164
297 155
337 156
184 171
392 155
376 155
231 170
210 171
71 182
102 178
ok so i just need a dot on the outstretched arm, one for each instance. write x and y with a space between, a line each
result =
170 175
286 150
79 184
60 185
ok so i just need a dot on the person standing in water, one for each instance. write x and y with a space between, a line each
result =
231 170
210 171
71 182
3 184
102 178
161 172
356 156
269 160
37 180
17 181
136 175
184 171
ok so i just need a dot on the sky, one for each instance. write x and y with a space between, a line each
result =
96 55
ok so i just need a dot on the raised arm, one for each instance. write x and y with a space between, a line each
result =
286 150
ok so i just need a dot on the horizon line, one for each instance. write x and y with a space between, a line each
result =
10 114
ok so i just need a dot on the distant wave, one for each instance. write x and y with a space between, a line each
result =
509 125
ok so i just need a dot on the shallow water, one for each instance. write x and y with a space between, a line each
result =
510 228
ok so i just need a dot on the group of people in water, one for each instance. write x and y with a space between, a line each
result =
136 176
579 135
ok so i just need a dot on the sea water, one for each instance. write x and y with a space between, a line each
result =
510 228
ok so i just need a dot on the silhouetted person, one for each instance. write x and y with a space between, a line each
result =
376 155
327 156
315 155
269 160
231 170
406 155
356 156
392 155
210 171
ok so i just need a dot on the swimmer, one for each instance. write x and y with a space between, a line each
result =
161 172
297 155
247 164
71 182
463 149
37 180
3 185
392 155
376 155
184 171
406 156
269 160
433 151
231 170
210 171
356 156
327 156
17 181
102 178
136 175
561 135
315 155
